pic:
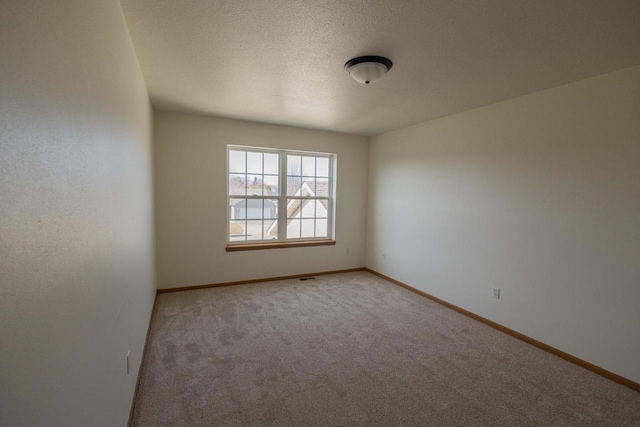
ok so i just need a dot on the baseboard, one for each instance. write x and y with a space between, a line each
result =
566 356
267 279
144 354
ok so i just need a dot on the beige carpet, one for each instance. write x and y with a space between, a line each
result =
354 350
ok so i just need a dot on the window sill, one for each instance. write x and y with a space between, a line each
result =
278 245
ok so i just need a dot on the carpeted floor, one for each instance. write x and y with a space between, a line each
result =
354 350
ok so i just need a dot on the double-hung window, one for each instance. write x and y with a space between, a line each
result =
279 198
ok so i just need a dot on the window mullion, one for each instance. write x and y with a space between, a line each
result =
282 199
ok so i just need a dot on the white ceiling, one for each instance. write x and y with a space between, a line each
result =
281 61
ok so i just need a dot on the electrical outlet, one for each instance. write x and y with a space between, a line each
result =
348 251
384 255
128 354
496 292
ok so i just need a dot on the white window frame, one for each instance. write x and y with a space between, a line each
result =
283 198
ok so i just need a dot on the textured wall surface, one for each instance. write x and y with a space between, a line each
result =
190 170
539 196
76 214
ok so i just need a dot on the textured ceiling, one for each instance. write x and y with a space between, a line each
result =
281 61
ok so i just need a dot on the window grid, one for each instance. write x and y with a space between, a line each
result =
292 195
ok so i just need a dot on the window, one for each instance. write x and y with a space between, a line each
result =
279 197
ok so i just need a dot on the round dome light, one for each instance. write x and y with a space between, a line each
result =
367 69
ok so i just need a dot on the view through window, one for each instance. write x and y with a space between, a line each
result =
267 188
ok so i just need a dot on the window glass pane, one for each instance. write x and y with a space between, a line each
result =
254 208
293 229
293 186
254 229
321 228
237 184
294 165
234 208
254 162
308 228
308 166
270 229
237 161
236 231
309 187
308 209
254 185
293 208
322 167
322 187
271 185
271 164
322 208
270 208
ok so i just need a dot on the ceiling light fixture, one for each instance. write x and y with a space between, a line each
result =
366 69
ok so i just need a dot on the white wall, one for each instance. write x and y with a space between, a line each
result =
190 164
540 196
76 213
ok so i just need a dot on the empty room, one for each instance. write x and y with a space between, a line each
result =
319 213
